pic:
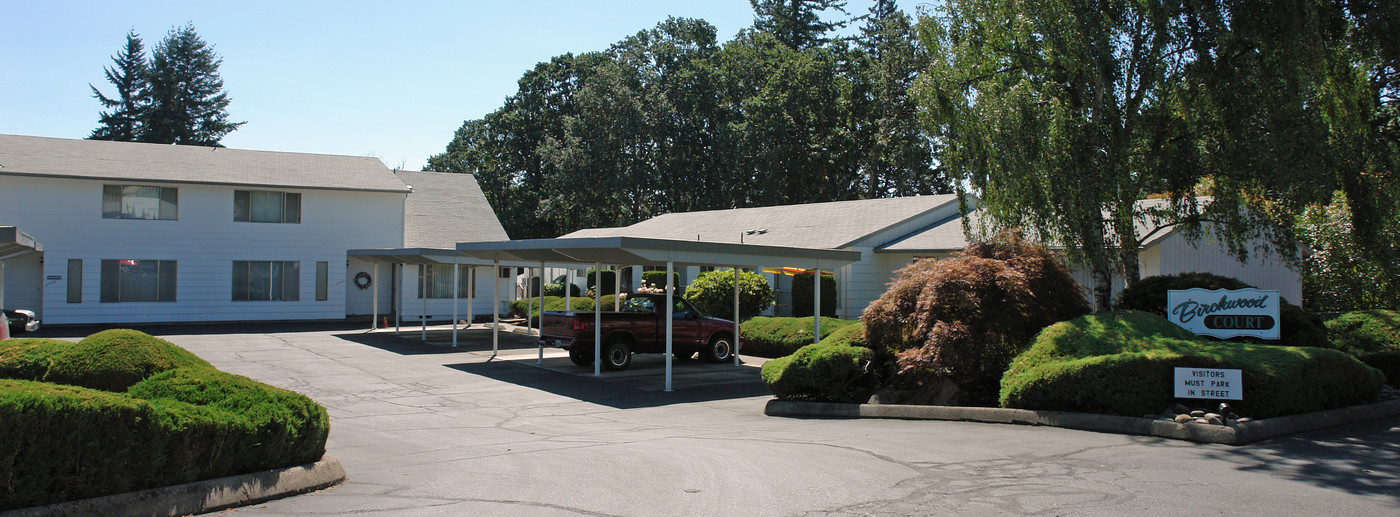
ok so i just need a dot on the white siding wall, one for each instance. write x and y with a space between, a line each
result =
65 215
440 309
1265 272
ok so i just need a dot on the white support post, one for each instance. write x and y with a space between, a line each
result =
597 311
495 307
568 289
456 276
423 293
374 294
735 340
398 312
817 305
670 325
471 294
539 296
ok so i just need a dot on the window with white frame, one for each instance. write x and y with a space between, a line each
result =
261 280
436 280
266 206
140 202
137 280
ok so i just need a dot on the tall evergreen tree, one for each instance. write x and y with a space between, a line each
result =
128 74
797 23
188 104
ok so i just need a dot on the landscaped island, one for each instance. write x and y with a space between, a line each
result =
122 411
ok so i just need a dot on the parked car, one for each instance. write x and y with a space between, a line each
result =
22 320
640 327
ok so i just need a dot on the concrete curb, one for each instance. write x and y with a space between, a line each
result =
201 496
1240 434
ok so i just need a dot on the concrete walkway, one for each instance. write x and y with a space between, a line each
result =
427 430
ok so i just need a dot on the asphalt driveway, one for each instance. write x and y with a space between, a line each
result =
426 430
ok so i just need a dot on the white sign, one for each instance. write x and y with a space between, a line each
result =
1225 313
1208 383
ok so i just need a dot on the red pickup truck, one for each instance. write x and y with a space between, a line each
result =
639 327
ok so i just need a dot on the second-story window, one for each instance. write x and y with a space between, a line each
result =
140 202
266 206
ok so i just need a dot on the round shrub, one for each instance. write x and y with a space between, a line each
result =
1298 327
657 280
111 360
713 293
1122 362
557 289
848 335
963 318
765 336
555 304
821 373
1365 332
1387 362
609 277
802 295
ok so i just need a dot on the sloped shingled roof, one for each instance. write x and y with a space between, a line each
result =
445 209
158 163
832 225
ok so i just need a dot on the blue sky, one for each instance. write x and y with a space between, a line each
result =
386 79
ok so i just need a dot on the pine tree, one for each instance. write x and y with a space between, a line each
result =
128 73
796 23
188 104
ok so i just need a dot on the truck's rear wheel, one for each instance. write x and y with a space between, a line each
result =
721 349
617 355
581 357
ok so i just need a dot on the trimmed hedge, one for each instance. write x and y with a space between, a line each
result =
821 373
111 360
1297 326
1122 363
848 335
556 304
608 281
1366 332
765 336
657 280
180 421
1373 336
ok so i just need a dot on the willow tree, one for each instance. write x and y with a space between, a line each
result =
1063 116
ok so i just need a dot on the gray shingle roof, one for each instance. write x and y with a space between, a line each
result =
833 225
159 163
445 209
947 235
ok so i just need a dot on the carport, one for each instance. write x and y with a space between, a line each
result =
13 244
637 251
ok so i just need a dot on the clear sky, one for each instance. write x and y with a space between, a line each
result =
389 79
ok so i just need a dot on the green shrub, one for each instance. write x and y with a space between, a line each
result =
846 335
765 336
555 304
1387 362
1365 332
609 278
111 360
802 295
657 280
821 373
713 293
1122 363
290 428
1297 327
965 317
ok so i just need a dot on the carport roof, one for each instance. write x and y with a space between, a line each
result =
654 252
14 242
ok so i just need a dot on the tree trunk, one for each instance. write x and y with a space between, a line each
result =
1103 288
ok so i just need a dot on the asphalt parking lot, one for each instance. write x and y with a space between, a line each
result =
423 429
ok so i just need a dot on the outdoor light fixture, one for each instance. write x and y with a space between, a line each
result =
751 232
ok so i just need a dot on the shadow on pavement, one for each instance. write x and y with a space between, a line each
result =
195 329
640 386
1362 459
438 342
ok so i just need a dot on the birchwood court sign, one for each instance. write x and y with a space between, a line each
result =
1225 313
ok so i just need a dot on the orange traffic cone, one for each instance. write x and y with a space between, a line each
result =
384 323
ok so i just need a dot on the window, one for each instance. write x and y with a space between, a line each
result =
266 206
437 280
75 281
258 280
322 281
133 280
139 202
